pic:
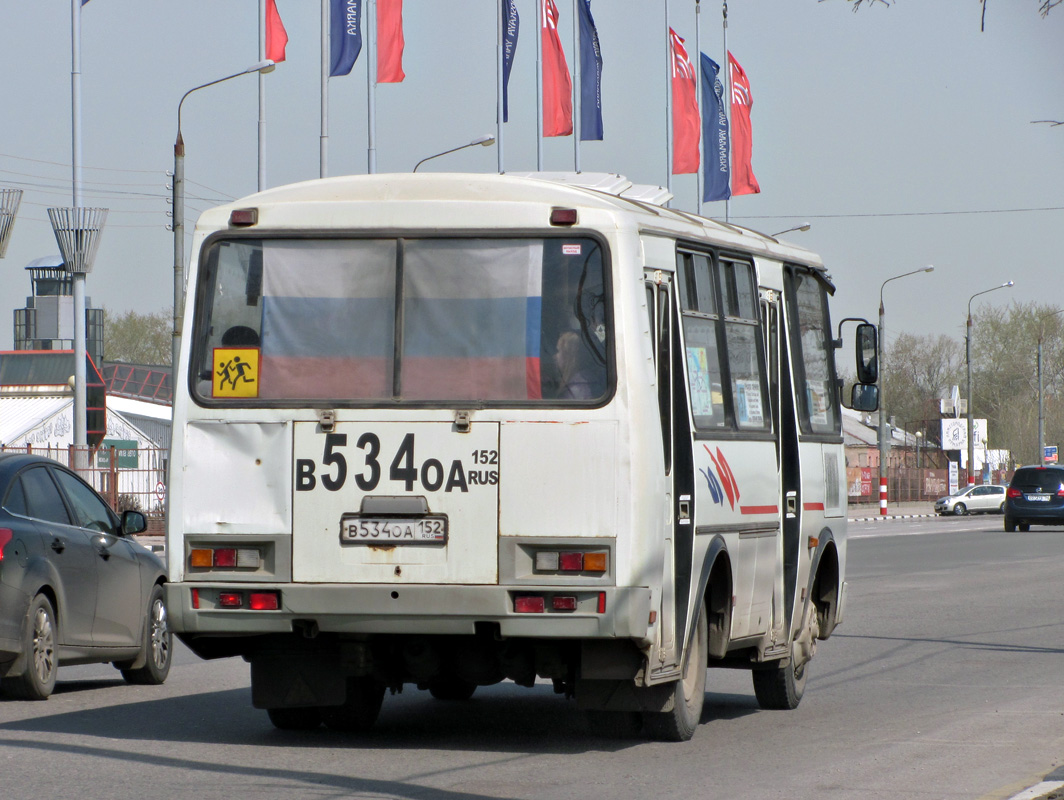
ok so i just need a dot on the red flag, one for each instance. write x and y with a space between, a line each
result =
742 175
557 85
390 42
686 121
276 35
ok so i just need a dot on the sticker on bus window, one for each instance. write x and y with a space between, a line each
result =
748 403
570 249
236 372
701 390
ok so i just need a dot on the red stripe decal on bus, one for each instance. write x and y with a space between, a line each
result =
813 506
759 509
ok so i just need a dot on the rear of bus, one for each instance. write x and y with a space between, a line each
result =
400 452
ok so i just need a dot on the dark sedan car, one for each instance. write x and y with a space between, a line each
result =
75 588
1035 497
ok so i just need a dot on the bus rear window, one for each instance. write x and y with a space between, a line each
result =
504 321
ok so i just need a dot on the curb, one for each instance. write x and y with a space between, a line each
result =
890 517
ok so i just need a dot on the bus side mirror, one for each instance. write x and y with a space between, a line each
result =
864 397
867 358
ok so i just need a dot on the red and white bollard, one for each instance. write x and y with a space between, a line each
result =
882 497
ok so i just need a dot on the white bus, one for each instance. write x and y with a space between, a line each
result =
447 430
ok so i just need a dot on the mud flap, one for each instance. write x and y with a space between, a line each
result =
297 681
592 695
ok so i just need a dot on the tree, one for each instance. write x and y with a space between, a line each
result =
1044 7
919 371
138 338
1005 375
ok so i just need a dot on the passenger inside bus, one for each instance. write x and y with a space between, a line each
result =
581 377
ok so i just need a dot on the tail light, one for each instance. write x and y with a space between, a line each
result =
225 558
6 535
571 561
1010 492
264 601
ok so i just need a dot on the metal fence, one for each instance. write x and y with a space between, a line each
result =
127 478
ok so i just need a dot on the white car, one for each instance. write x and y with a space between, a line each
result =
984 499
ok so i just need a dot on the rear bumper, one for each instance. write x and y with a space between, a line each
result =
1036 513
417 609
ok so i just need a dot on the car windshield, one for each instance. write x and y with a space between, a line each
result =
503 321
1038 480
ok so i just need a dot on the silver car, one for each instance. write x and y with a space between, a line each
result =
983 499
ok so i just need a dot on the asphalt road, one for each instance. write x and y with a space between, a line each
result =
943 682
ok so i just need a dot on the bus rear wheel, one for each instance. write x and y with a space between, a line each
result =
689 693
780 687
361 708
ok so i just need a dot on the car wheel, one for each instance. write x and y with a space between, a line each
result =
1001 508
158 644
1010 525
689 693
39 651
960 510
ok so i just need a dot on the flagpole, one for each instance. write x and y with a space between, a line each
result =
698 99
728 94
323 141
539 84
576 87
498 86
371 85
668 99
262 98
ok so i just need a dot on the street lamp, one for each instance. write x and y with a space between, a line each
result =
803 227
968 363
1041 412
179 214
882 384
485 141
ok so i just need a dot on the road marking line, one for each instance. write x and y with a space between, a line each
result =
1038 790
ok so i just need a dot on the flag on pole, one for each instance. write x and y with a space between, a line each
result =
716 172
390 42
590 76
743 180
557 85
345 35
685 121
511 24
276 35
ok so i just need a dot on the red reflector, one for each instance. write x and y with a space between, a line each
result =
571 562
225 557
529 604
6 535
230 599
602 603
563 603
563 216
244 217
195 598
264 601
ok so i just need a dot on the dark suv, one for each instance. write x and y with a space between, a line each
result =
1035 497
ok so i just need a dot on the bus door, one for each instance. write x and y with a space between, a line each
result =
679 533
770 321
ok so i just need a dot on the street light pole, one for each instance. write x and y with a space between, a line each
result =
968 362
485 141
179 216
1041 407
882 383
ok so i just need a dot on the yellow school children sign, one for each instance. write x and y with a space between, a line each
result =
236 372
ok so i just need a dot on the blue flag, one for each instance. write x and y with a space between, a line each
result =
345 35
717 175
590 76
510 24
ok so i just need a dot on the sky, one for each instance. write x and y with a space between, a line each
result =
903 134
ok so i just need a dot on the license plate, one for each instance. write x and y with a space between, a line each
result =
356 529
1037 498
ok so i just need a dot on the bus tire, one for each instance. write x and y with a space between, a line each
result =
304 718
780 687
359 710
689 693
451 689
